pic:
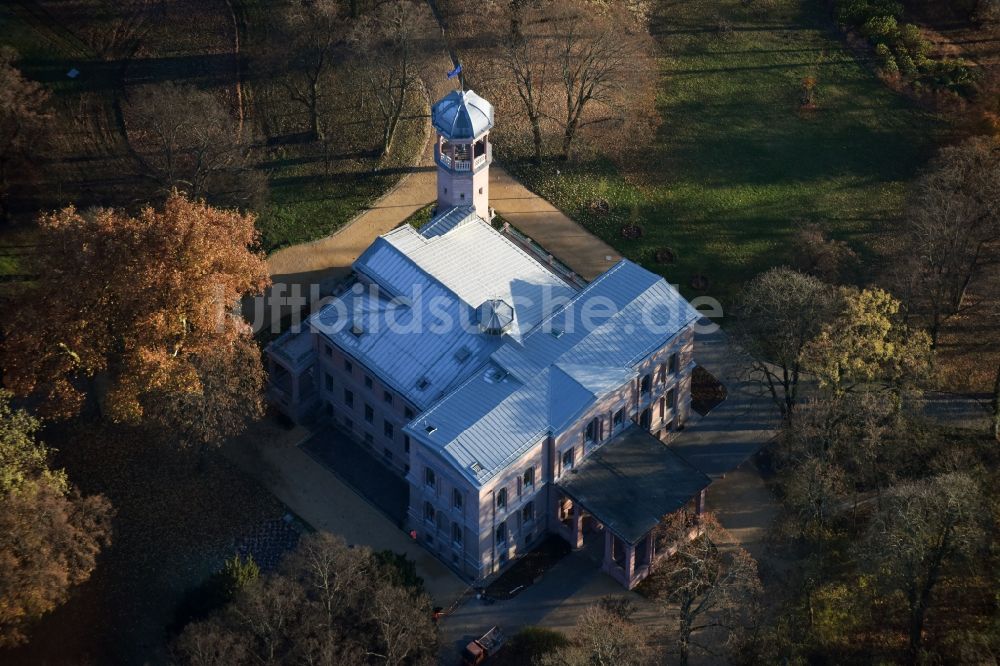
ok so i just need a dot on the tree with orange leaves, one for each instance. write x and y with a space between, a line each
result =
141 305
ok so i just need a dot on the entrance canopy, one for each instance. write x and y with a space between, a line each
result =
632 482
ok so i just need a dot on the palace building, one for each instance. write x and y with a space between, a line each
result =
515 399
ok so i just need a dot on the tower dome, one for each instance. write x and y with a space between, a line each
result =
462 114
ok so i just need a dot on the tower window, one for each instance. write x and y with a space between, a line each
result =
462 195
480 190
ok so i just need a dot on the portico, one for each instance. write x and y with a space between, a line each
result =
624 490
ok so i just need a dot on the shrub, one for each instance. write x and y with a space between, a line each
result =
888 60
909 37
881 29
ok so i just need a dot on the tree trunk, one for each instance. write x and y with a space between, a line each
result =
536 132
996 406
568 137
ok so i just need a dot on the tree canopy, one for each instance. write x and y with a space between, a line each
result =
50 535
141 302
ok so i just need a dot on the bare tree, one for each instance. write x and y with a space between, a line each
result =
329 604
602 637
817 254
23 118
953 218
386 42
922 528
527 54
315 32
780 311
598 51
711 586
120 26
188 140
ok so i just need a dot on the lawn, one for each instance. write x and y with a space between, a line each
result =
735 165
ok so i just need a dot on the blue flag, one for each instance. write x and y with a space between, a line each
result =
455 72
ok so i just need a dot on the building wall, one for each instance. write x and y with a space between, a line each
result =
480 554
388 411
465 188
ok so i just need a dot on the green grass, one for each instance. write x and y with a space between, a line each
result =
735 165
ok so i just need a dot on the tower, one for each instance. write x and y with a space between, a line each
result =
463 152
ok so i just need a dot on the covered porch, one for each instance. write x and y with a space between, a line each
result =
291 363
621 493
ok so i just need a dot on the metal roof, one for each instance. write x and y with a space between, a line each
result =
632 482
462 114
543 382
411 282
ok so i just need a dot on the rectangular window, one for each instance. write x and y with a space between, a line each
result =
671 397
646 385
502 498
387 454
329 351
456 534
429 512
590 434
661 374
456 499
349 398
329 382
529 479
528 513
567 459
618 419
387 397
408 413
387 429
369 414
430 479
406 443
674 362
348 366
502 534
368 382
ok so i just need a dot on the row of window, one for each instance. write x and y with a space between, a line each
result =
457 531
672 365
387 396
527 518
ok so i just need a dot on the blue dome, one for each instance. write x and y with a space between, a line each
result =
462 114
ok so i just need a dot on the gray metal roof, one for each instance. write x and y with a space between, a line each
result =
632 482
416 282
462 114
543 382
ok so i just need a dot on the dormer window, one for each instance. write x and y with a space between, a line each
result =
357 330
423 383
429 429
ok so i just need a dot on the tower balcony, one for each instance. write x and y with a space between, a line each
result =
460 160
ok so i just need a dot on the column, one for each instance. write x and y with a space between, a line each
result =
577 526
609 561
699 503
629 564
